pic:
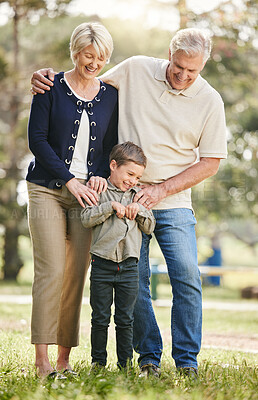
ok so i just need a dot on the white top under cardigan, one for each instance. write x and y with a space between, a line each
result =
79 161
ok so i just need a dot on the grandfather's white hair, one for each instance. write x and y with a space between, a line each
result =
192 41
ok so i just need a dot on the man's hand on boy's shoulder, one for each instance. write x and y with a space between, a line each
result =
131 210
118 208
150 195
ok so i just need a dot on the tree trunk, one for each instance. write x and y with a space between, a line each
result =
12 261
183 12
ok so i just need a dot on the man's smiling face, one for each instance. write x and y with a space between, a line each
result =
183 69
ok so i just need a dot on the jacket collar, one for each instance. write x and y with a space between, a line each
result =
82 104
114 188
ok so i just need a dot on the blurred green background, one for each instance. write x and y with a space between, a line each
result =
35 34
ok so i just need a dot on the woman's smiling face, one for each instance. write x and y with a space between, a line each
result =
88 63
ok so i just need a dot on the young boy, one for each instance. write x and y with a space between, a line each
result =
116 241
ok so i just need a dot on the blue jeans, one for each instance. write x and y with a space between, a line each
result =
175 233
110 280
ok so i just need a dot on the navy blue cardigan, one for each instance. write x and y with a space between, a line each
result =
53 127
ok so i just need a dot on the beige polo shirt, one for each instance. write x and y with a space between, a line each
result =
172 127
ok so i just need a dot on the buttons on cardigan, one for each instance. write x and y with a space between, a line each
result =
77 121
90 105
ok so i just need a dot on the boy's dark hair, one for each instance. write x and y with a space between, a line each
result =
128 152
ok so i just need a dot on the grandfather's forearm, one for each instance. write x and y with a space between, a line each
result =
193 175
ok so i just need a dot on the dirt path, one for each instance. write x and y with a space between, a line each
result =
247 343
230 341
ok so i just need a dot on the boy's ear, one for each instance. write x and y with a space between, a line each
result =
113 165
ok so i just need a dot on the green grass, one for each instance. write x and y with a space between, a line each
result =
224 374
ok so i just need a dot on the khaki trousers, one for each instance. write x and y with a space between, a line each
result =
61 259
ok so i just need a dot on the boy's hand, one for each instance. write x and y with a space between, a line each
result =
119 208
131 210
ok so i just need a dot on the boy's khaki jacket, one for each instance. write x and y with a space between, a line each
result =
116 238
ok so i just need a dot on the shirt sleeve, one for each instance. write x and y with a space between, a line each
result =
115 75
145 219
96 215
38 130
109 141
213 139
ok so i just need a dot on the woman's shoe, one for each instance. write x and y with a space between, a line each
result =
69 372
55 376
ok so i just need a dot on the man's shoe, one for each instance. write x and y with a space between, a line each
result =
148 370
189 372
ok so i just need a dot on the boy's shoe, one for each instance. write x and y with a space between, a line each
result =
96 368
148 370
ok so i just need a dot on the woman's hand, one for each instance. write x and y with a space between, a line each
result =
82 192
98 184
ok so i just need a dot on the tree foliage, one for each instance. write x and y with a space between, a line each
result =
13 128
44 41
232 193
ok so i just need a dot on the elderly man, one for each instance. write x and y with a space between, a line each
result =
178 119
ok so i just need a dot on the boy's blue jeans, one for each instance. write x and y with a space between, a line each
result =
108 281
175 233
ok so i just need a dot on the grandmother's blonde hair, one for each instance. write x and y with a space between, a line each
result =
91 33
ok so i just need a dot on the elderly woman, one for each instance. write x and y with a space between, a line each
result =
72 129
